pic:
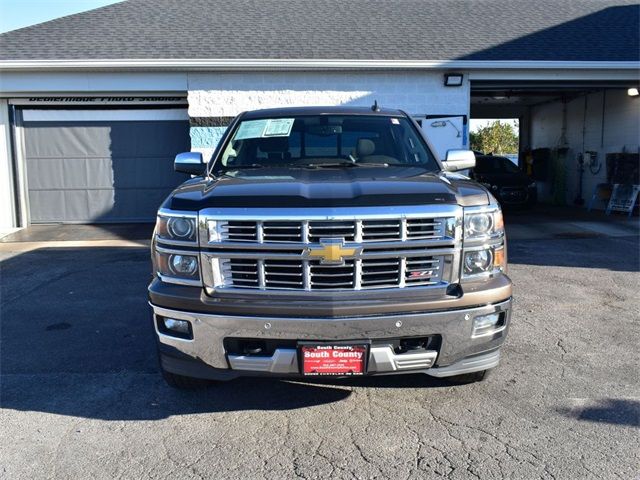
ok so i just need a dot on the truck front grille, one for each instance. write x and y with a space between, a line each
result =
312 231
288 252
362 273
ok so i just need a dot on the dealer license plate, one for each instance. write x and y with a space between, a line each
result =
327 359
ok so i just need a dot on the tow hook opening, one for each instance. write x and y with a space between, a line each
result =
417 344
253 348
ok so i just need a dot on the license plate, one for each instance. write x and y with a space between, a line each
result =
333 359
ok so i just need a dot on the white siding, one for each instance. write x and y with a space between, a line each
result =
621 133
227 94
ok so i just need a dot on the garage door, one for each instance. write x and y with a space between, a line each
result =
101 166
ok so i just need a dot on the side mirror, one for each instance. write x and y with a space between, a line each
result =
189 162
459 160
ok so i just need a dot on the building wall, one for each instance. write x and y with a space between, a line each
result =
587 130
7 214
215 98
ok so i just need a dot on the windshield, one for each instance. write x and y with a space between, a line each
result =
326 141
491 164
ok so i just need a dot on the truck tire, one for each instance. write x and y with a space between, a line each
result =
181 382
467 378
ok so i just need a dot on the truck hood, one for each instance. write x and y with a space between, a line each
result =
326 187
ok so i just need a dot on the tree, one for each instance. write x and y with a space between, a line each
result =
498 137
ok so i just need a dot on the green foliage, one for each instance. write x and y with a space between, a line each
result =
498 137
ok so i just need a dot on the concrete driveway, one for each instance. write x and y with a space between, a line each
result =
81 396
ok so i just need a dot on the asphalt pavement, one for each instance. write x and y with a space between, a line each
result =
81 396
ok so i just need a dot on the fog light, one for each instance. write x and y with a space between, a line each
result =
179 326
486 324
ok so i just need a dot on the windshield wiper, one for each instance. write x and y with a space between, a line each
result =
344 164
414 165
242 167
326 165
363 164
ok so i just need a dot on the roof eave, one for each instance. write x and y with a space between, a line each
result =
308 64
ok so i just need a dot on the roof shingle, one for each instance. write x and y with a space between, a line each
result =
546 30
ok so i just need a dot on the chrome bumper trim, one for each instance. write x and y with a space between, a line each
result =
381 360
384 359
468 365
283 360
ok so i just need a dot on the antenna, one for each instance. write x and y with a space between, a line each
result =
375 106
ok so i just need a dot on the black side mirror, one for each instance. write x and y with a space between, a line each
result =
189 162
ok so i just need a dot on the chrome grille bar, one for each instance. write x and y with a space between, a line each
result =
396 248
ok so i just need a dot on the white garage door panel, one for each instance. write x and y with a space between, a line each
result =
100 171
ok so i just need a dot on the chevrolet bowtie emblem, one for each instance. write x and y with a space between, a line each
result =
331 251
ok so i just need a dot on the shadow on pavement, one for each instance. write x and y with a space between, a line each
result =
77 339
612 410
130 396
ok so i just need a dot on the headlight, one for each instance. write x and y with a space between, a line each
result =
486 222
177 259
175 266
177 228
180 227
183 264
479 224
478 261
485 260
484 242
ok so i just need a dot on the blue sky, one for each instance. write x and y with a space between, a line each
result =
22 13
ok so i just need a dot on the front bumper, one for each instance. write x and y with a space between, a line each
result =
459 351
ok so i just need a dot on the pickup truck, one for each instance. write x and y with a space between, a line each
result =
328 242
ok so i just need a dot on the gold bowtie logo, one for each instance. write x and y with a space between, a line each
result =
332 251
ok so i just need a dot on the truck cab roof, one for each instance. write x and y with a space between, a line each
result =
329 110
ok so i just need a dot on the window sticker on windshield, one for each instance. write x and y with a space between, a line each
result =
395 121
272 127
278 127
251 129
